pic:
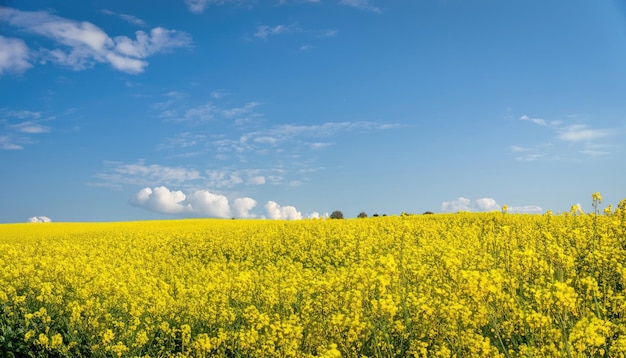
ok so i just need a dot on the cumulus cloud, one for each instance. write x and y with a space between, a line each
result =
39 219
161 200
83 44
203 203
198 203
485 204
277 212
460 204
242 207
14 56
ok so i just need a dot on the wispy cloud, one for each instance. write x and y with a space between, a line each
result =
580 133
9 143
128 18
30 128
18 126
84 44
117 174
266 31
205 112
198 6
182 140
538 121
23 114
283 2
14 56
367 5
263 31
286 132
595 150
569 135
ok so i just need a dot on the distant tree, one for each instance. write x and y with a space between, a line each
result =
362 215
376 215
428 213
336 215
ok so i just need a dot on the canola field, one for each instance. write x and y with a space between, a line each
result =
445 285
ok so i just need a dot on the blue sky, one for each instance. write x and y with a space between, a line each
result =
115 110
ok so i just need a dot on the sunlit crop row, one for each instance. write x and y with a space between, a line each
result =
465 285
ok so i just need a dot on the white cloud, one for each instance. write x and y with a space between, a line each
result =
286 132
128 18
316 215
282 2
7 143
581 133
161 200
530 157
198 203
538 121
14 55
205 112
238 111
242 207
460 204
257 180
223 178
485 204
205 203
182 140
198 6
39 219
84 44
571 135
23 114
276 212
218 94
141 174
360 4
30 128
263 31
594 152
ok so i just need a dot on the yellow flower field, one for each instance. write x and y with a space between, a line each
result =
448 285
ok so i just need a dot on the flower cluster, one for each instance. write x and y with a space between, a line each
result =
464 285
